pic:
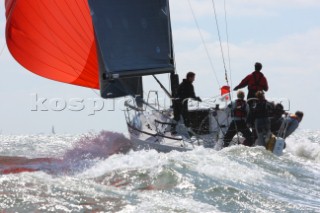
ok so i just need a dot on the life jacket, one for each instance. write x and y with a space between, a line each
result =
254 82
293 116
240 110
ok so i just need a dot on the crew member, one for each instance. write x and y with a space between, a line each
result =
260 114
255 81
292 123
184 92
277 118
239 111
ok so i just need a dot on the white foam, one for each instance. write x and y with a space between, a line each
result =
305 144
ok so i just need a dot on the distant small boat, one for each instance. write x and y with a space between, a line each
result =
53 131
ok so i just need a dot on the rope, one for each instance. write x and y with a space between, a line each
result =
228 48
221 49
204 44
227 34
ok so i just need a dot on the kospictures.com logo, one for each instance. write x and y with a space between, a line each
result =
90 105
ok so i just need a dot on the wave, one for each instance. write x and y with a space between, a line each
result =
85 152
305 144
91 149
231 178
103 166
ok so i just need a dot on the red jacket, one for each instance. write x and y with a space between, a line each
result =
255 81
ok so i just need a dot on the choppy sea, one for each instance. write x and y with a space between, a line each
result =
98 172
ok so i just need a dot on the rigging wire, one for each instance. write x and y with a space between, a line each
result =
226 75
228 48
204 44
222 53
221 48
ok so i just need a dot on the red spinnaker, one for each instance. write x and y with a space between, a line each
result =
53 39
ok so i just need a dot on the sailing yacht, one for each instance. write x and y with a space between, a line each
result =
112 45
139 44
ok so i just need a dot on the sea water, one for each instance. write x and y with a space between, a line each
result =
100 173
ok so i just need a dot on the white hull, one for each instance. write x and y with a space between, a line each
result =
139 144
151 129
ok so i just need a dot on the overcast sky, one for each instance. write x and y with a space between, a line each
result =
284 35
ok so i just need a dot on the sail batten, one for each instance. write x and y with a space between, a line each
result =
139 72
